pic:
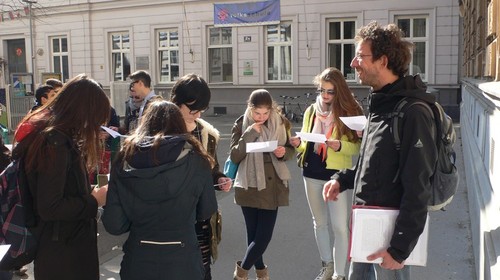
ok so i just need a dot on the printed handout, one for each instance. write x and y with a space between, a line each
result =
262 147
111 132
311 137
355 123
3 250
372 230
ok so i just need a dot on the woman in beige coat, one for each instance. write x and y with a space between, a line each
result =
261 184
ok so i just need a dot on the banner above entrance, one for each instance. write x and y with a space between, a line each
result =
251 13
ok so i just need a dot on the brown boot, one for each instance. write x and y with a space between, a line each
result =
240 273
262 274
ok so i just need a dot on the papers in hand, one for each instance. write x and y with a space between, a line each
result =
111 132
355 123
311 137
262 147
372 230
3 250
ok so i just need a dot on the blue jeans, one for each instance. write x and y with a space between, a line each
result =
332 215
368 271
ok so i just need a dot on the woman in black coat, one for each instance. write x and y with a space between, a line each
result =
160 185
63 144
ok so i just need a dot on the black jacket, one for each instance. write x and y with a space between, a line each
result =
66 212
157 198
376 179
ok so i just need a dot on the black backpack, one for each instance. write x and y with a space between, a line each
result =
16 217
444 181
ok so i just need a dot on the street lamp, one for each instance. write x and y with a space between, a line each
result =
31 2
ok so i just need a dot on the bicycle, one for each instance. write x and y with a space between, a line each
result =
285 111
363 103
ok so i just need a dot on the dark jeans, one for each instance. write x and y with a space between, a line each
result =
260 226
6 275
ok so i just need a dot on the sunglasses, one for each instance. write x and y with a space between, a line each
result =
328 91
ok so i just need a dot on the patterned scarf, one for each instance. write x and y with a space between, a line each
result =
323 124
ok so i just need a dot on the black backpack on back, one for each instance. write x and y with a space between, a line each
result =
444 181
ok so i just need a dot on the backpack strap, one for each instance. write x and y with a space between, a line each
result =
398 114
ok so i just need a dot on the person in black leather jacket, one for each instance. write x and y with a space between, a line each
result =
383 175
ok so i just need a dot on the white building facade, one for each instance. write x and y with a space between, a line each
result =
109 39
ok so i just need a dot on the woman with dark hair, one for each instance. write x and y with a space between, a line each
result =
261 184
319 161
58 144
192 94
160 185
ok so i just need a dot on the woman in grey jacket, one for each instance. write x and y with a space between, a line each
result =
160 185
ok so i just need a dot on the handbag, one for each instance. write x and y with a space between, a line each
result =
230 168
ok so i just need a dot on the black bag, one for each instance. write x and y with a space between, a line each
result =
444 181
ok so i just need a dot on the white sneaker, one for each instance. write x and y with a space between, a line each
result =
326 272
337 277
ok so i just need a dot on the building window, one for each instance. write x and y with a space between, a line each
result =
220 54
120 56
59 60
168 55
416 31
279 52
341 46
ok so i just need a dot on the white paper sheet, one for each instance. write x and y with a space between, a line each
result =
3 250
311 137
111 132
355 123
262 147
372 230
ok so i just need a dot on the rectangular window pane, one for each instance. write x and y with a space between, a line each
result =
174 39
215 65
419 27
57 64
165 69
286 33
349 50
272 68
226 36
272 34
404 25
116 65
65 68
286 63
126 65
64 44
334 31
227 64
214 36
125 41
115 40
349 29
55 45
162 39
335 55
419 58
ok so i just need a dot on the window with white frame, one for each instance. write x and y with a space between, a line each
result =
168 55
341 46
59 53
120 56
416 29
279 52
220 54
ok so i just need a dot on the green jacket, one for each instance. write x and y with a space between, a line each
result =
334 160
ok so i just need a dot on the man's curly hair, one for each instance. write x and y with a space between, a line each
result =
389 41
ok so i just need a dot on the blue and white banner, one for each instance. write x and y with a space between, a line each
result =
251 13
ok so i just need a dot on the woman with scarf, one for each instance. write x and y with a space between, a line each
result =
319 161
261 184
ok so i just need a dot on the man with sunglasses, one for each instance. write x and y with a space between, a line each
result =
140 94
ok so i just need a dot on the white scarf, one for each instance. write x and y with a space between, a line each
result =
251 169
323 122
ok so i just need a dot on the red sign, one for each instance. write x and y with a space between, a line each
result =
19 52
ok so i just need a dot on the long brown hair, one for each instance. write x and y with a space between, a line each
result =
78 111
343 104
161 118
